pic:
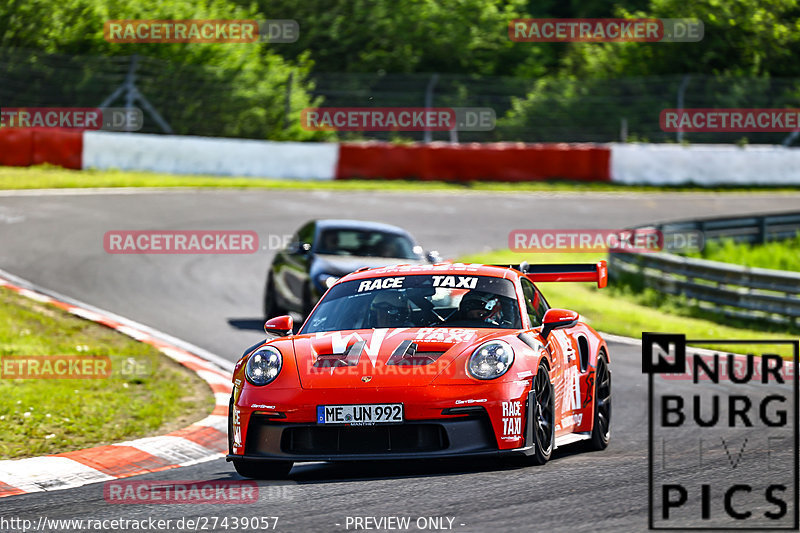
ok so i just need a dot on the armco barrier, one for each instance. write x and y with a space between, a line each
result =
753 228
468 162
743 292
22 147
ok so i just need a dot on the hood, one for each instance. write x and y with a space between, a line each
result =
393 357
339 265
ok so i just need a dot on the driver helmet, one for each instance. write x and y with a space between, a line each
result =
477 305
389 309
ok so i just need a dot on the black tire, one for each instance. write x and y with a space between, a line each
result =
271 307
230 425
601 426
262 469
544 429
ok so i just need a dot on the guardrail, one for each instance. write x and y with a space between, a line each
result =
739 291
752 229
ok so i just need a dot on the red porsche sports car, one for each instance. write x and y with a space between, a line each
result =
424 361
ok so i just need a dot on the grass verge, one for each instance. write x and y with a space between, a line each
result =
777 255
145 394
619 310
51 177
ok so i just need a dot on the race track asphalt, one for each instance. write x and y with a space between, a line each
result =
214 301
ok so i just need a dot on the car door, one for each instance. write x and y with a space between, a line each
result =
568 388
562 354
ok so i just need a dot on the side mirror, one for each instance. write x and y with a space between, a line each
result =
280 326
433 257
557 319
300 248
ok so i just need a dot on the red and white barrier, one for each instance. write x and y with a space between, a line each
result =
473 161
652 164
174 154
22 147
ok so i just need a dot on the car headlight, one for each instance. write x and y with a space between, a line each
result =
326 281
490 360
263 366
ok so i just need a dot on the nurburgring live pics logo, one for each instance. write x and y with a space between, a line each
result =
723 437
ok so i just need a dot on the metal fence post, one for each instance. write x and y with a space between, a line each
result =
791 138
681 92
132 95
762 230
429 103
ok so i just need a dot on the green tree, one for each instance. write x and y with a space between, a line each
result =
742 38
745 59
444 36
228 89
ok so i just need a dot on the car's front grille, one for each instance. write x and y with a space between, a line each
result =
402 438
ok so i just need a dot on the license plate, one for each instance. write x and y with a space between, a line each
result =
362 414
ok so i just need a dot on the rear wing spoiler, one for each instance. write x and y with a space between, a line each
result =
597 272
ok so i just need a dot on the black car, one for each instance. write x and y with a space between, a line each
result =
322 251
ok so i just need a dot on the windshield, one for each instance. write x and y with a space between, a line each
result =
365 243
417 301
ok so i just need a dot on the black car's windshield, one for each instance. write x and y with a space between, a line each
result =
417 301
366 243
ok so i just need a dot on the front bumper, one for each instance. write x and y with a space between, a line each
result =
471 435
438 424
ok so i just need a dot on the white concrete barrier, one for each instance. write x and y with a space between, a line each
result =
209 155
704 164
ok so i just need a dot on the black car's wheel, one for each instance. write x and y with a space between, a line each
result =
271 307
262 469
601 430
544 434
